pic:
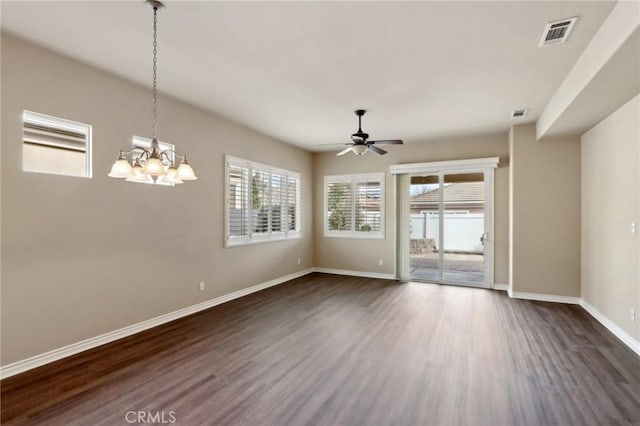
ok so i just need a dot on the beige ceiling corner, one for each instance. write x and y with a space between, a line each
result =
605 76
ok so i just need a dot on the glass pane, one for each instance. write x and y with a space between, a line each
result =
278 184
260 202
55 145
238 200
368 207
463 230
292 195
339 201
423 228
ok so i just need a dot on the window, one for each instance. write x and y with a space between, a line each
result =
354 206
55 145
262 203
140 142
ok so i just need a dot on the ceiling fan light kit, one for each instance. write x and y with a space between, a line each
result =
361 144
359 149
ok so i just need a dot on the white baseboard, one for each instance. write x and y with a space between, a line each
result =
626 338
74 348
57 354
355 273
546 297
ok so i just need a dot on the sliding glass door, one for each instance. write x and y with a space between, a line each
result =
424 228
464 228
450 227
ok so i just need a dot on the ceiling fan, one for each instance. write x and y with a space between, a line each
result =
361 143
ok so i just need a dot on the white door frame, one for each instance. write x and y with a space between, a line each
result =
441 168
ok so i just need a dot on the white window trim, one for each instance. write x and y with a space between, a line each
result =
448 166
237 240
352 179
49 120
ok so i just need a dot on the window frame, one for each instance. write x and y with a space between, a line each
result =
62 123
270 235
353 180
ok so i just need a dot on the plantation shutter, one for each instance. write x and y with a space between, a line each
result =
339 206
260 202
238 201
354 206
292 204
263 202
367 215
278 192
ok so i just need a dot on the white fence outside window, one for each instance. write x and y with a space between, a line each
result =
462 232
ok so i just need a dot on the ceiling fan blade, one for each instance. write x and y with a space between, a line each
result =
344 152
388 142
335 144
377 150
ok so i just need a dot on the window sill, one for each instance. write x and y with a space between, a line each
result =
246 241
356 235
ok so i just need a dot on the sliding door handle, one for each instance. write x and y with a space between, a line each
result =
484 237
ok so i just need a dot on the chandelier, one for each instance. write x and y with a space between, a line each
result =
152 165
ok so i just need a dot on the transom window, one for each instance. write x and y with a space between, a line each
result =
55 145
354 206
262 202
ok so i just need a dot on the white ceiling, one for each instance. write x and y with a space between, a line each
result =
297 70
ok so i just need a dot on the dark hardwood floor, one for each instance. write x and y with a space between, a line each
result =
333 350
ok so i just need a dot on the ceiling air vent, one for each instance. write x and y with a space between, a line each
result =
557 32
519 113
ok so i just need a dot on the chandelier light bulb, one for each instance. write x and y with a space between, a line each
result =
154 167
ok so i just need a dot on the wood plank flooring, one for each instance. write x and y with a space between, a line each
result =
333 350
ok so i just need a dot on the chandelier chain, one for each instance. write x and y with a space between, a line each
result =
152 164
155 70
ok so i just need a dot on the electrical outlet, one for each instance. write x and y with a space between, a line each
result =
633 227
298 261
380 262
632 314
201 285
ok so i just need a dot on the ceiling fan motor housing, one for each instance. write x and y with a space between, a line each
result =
359 137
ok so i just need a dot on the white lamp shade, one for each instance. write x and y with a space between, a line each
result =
121 169
185 172
171 176
359 149
154 167
170 180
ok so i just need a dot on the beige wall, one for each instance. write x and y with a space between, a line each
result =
81 257
610 203
364 255
545 213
